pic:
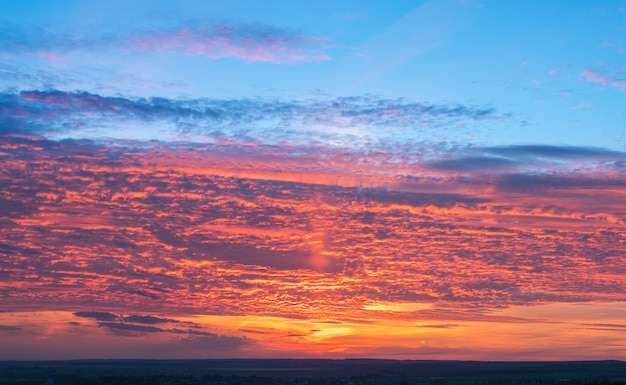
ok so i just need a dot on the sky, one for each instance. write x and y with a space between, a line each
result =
441 179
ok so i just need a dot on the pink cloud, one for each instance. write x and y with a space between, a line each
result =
246 43
50 56
606 80
80 101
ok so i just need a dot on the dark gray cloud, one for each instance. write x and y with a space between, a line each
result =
97 315
514 157
115 326
532 182
147 319
133 324
140 319
130 329
473 163
143 293
552 152
7 328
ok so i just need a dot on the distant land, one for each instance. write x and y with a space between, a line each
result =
310 372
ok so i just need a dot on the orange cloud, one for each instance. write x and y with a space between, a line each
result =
258 252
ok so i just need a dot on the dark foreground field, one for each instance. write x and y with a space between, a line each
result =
310 372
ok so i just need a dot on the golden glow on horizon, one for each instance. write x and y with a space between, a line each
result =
554 332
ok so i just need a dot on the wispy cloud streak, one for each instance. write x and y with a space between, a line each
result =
252 43
249 43
506 159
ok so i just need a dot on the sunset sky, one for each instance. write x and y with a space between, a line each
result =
438 179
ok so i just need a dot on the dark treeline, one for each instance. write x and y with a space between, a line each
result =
310 372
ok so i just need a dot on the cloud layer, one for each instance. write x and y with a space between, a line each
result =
345 120
189 230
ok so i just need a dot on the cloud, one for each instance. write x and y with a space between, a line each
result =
439 326
147 319
84 114
10 328
28 77
204 230
473 163
186 336
132 324
97 315
249 43
619 326
215 343
552 152
114 326
411 198
252 43
500 159
537 182
470 315
616 79
250 254
140 319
